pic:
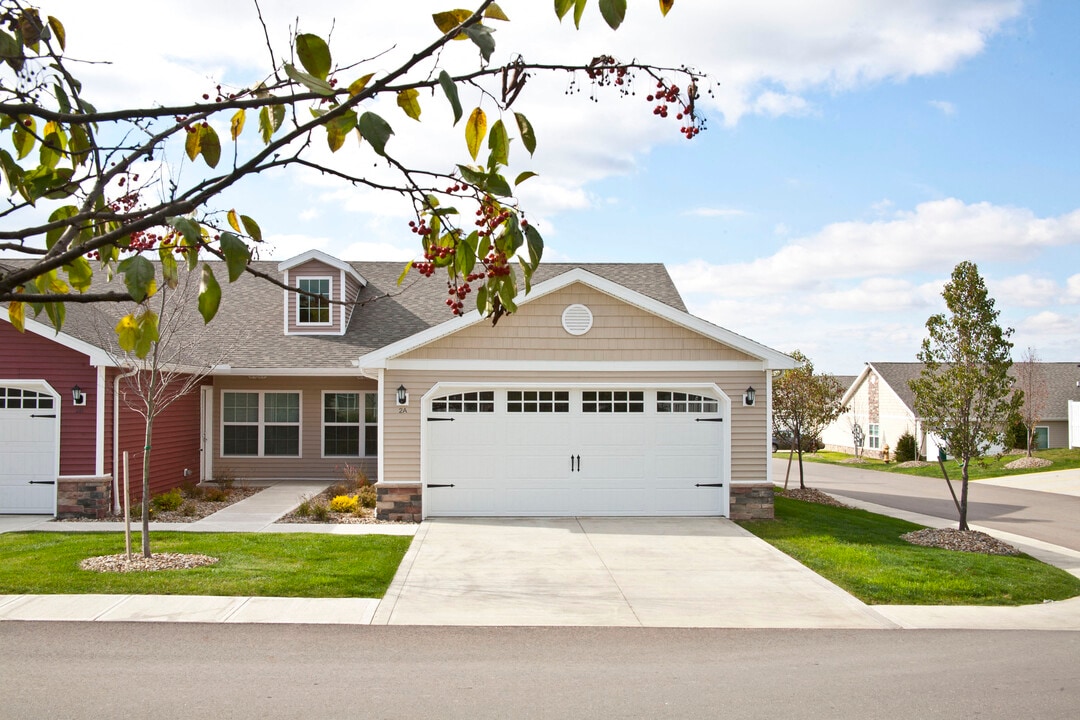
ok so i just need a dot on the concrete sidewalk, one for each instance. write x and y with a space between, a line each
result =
1062 482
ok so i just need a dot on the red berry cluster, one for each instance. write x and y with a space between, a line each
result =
424 268
456 188
457 296
420 228
603 70
496 265
665 95
489 217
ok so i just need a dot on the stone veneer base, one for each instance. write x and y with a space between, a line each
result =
752 502
400 503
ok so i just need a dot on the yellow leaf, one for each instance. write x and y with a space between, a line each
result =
359 84
407 101
665 6
475 130
496 13
17 315
234 221
237 125
447 21
127 332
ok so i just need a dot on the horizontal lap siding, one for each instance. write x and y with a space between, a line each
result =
749 438
311 464
28 356
620 332
314 269
174 445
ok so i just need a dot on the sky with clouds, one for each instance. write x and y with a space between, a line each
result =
855 151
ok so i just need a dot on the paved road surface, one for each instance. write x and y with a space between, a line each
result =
158 670
1044 516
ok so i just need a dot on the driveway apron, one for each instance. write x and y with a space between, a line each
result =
651 572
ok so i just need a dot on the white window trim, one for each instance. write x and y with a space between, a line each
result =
871 436
1037 429
362 425
261 423
330 296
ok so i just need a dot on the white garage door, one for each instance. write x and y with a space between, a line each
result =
575 451
28 446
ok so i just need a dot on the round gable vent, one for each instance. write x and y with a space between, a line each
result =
577 319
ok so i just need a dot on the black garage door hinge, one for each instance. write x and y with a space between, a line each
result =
440 419
709 485
41 482
437 485
708 419
35 415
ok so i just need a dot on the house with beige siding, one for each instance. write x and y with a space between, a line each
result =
600 395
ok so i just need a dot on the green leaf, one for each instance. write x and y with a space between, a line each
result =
314 54
13 173
408 101
450 89
375 130
80 145
210 145
236 126
496 185
482 299
499 145
251 228
507 293
147 333
482 37
170 274
562 7
127 331
475 129
236 254
188 228
528 137
665 6
613 11
536 245
23 136
523 177
266 128
79 274
473 177
53 147
140 277
60 213
579 10
57 312
338 129
401 277
209 294
11 52
312 83
447 21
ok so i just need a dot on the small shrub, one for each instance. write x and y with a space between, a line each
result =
188 509
304 508
167 502
368 496
1016 434
191 490
336 490
354 477
225 478
320 511
906 448
344 503
215 494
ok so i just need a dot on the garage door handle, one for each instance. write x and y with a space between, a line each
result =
572 466
709 485
42 482
708 419
440 419
437 485
52 416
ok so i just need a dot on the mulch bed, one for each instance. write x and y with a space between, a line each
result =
189 512
1028 462
362 516
812 495
159 561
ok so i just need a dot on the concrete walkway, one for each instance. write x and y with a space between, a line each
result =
609 571
1061 482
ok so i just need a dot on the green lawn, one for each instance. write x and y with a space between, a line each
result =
988 467
266 564
862 552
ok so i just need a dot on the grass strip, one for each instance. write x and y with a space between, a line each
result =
259 564
981 468
862 552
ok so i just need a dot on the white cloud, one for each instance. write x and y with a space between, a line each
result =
775 104
715 212
944 106
1026 291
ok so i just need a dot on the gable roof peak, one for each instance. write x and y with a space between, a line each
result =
326 259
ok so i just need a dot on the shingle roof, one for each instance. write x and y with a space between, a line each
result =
1061 379
250 322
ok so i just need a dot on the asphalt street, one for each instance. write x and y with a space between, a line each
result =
1049 517
162 670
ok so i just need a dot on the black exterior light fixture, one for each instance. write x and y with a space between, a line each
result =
78 397
749 395
402 395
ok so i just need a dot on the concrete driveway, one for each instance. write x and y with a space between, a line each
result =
654 572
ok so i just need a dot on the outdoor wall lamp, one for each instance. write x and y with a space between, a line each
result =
748 396
402 395
78 397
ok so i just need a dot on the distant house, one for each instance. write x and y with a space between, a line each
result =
881 403
601 395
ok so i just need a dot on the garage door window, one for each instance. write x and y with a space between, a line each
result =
16 399
613 401
680 402
482 401
538 401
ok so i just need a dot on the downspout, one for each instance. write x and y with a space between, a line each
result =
768 425
116 444
378 377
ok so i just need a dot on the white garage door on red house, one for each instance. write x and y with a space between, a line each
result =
29 423
576 451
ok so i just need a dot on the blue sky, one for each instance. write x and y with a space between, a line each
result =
855 153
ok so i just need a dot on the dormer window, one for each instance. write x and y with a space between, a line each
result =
313 310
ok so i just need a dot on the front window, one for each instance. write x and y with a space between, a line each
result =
873 436
350 424
313 310
260 424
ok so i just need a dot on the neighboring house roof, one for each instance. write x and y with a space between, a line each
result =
1061 379
249 320
845 380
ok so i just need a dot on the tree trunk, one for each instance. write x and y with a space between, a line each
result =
146 487
964 495
1030 439
798 448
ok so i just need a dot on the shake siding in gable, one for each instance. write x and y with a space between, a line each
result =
314 269
32 357
311 464
352 288
620 332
